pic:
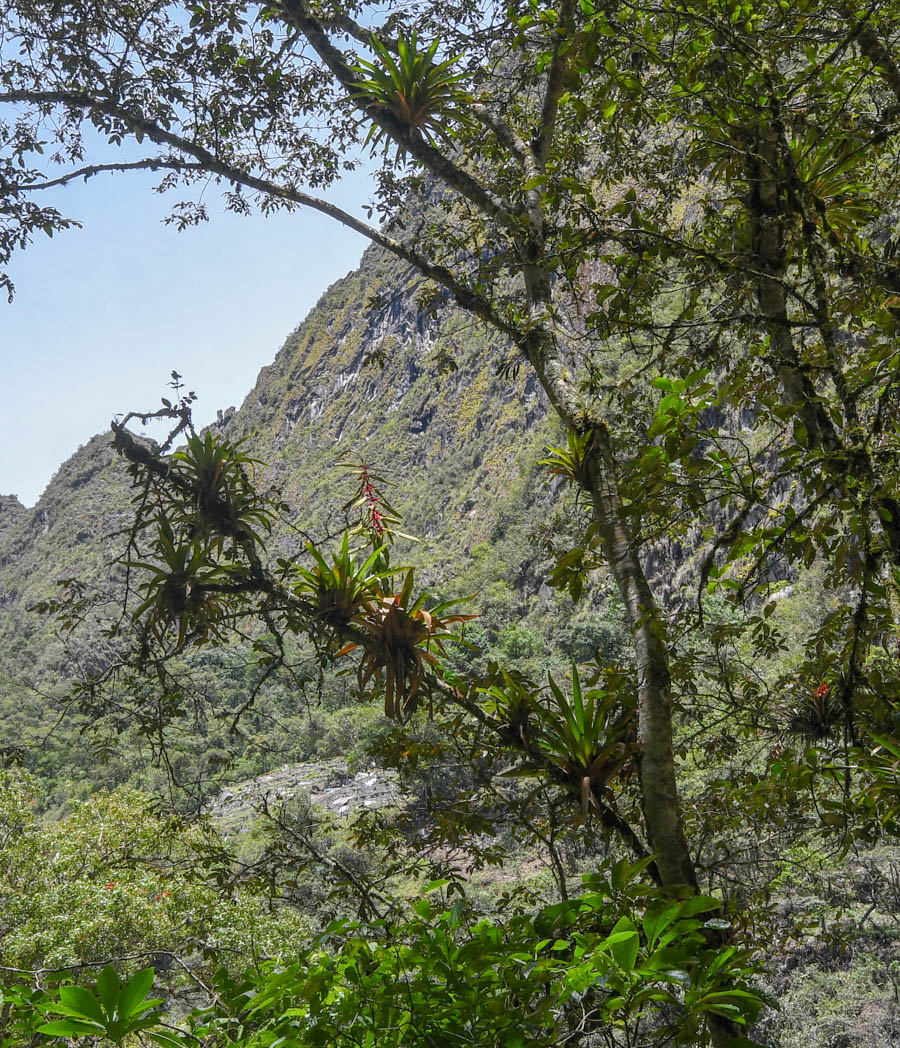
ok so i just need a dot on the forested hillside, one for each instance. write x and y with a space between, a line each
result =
556 557
351 385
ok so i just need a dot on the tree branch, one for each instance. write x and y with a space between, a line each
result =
554 87
343 23
463 295
874 48
504 133
454 177
150 164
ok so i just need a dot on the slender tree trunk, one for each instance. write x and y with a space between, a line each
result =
659 790
769 218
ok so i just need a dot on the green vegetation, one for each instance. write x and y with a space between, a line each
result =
675 230
113 877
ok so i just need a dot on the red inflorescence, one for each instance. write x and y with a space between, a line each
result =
374 515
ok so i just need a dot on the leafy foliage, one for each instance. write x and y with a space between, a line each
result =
423 95
342 590
442 971
637 196
402 640
589 737
109 1009
114 877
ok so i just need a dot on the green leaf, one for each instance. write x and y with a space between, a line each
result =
671 404
70 1028
624 943
108 985
698 904
134 992
81 1002
656 920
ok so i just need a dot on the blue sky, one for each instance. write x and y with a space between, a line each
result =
103 314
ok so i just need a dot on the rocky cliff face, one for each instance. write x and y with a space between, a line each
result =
71 532
11 511
414 396
329 785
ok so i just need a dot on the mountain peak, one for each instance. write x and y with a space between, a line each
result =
10 510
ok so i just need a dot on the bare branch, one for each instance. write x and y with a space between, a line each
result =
150 164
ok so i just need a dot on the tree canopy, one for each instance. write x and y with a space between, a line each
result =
682 218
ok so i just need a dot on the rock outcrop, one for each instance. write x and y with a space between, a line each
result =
328 785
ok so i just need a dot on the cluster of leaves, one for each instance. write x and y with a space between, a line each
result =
618 956
588 739
208 520
109 1009
403 638
423 95
591 737
342 590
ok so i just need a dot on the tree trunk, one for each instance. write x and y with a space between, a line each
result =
656 759
659 790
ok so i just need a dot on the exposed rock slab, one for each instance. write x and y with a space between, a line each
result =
329 786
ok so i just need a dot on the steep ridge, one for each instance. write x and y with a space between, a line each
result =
357 383
368 377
